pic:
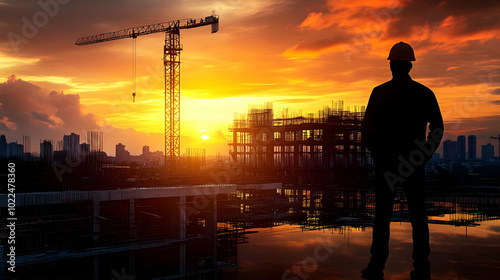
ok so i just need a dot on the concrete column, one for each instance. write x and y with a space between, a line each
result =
97 228
212 227
183 217
182 235
211 231
211 216
132 263
132 226
96 267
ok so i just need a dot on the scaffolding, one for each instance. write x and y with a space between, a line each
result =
163 232
320 148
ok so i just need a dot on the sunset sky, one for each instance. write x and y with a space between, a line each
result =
298 54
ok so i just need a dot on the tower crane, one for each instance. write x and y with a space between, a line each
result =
171 61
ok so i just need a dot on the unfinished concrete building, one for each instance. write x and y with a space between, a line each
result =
136 233
322 148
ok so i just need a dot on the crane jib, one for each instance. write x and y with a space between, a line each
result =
133 32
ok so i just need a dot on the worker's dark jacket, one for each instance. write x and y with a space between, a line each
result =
396 119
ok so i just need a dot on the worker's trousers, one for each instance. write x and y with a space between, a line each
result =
413 187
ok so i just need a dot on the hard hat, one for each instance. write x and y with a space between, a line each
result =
401 51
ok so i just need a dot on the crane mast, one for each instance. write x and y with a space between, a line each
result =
171 61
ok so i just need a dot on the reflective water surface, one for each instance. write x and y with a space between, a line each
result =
464 237
457 253
253 232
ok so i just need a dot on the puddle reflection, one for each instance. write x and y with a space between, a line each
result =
255 233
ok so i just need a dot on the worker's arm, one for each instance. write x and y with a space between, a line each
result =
368 126
436 126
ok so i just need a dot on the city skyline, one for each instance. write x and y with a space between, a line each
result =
462 148
278 51
455 150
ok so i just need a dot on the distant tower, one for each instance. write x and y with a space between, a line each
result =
487 152
461 147
145 151
121 154
95 140
46 150
471 146
59 145
3 146
14 150
84 150
26 144
71 144
450 150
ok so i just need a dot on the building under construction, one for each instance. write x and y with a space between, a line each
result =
321 148
134 233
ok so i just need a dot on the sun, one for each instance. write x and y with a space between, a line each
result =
204 137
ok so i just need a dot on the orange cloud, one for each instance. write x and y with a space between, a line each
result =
319 50
317 21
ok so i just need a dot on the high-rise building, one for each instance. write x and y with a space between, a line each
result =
59 145
46 150
84 150
450 150
145 151
26 144
71 144
461 147
121 153
487 152
315 148
3 146
14 150
95 140
471 146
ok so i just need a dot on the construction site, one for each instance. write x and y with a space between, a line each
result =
313 149
150 233
194 232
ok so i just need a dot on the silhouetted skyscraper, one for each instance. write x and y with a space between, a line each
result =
487 152
71 144
471 146
450 150
84 150
26 144
95 140
59 146
14 150
46 150
121 153
145 151
3 146
461 147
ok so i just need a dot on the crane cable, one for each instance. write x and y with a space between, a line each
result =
134 66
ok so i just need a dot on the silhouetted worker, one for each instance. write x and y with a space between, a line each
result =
394 131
